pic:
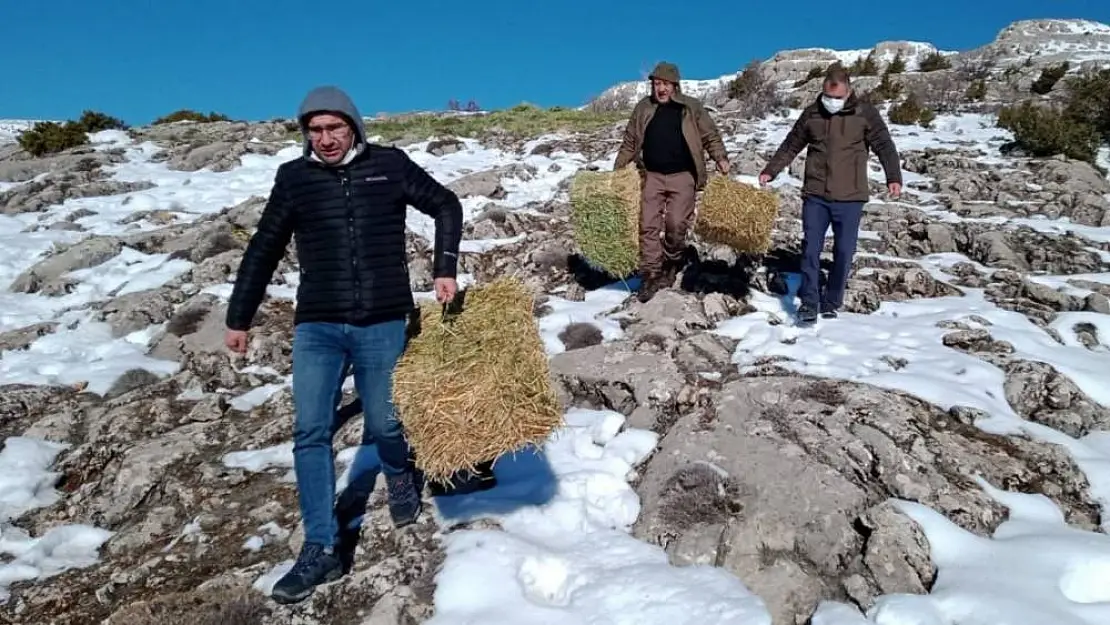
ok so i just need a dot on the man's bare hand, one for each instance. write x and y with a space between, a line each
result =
895 190
764 179
236 341
446 288
723 166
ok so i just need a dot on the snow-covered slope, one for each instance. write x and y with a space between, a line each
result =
1050 41
1041 41
10 129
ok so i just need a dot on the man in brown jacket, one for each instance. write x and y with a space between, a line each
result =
666 138
838 129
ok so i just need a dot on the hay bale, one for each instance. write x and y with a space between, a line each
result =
474 385
605 215
738 215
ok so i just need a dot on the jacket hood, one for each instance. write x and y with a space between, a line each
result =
333 100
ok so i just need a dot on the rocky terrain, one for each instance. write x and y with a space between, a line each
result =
1016 56
770 463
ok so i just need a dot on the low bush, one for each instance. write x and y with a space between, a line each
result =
911 111
1046 131
865 66
187 115
898 65
1048 78
757 95
52 137
1073 129
934 62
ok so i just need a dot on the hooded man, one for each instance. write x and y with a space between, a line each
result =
839 129
666 137
346 201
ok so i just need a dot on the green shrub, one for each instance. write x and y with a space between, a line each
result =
898 65
186 115
976 91
1045 131
885 91
51 137
911 111
757 95
814 73
1073 129
935 61
94 121
1048 78
865 66
1088 95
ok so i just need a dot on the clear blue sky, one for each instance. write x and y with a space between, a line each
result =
254 59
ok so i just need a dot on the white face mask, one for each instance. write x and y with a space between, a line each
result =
832 105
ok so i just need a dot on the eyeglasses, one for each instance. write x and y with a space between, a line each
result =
339 131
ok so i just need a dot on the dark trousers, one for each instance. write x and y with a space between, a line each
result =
817 215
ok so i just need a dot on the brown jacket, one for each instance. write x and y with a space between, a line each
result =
836 163
697 126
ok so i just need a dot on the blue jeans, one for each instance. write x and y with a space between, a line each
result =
322 355
817 214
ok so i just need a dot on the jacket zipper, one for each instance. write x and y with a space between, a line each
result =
828 153
345 180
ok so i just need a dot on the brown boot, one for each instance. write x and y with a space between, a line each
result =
649 287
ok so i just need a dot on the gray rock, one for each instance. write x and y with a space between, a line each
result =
87 253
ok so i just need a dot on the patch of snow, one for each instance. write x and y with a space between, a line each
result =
1033 569
27 483
569 558
899 347
562 313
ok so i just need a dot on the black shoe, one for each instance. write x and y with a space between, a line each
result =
807 313
828 311
404 498
316 565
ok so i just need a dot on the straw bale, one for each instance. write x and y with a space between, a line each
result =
474 383
736 214
605 215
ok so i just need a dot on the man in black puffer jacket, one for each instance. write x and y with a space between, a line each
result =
346 202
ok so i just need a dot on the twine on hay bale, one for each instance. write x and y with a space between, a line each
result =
474 384
605 215
736 214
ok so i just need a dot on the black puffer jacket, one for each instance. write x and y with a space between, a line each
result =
349 228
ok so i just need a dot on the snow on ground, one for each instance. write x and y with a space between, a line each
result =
572 560
27 483
1035 569
10 129
899 347
562 313
565 554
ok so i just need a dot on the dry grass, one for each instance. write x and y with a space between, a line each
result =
737 215
474 385
230 606
605 215
698 494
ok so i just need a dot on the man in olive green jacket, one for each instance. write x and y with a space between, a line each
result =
666 138
838 129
